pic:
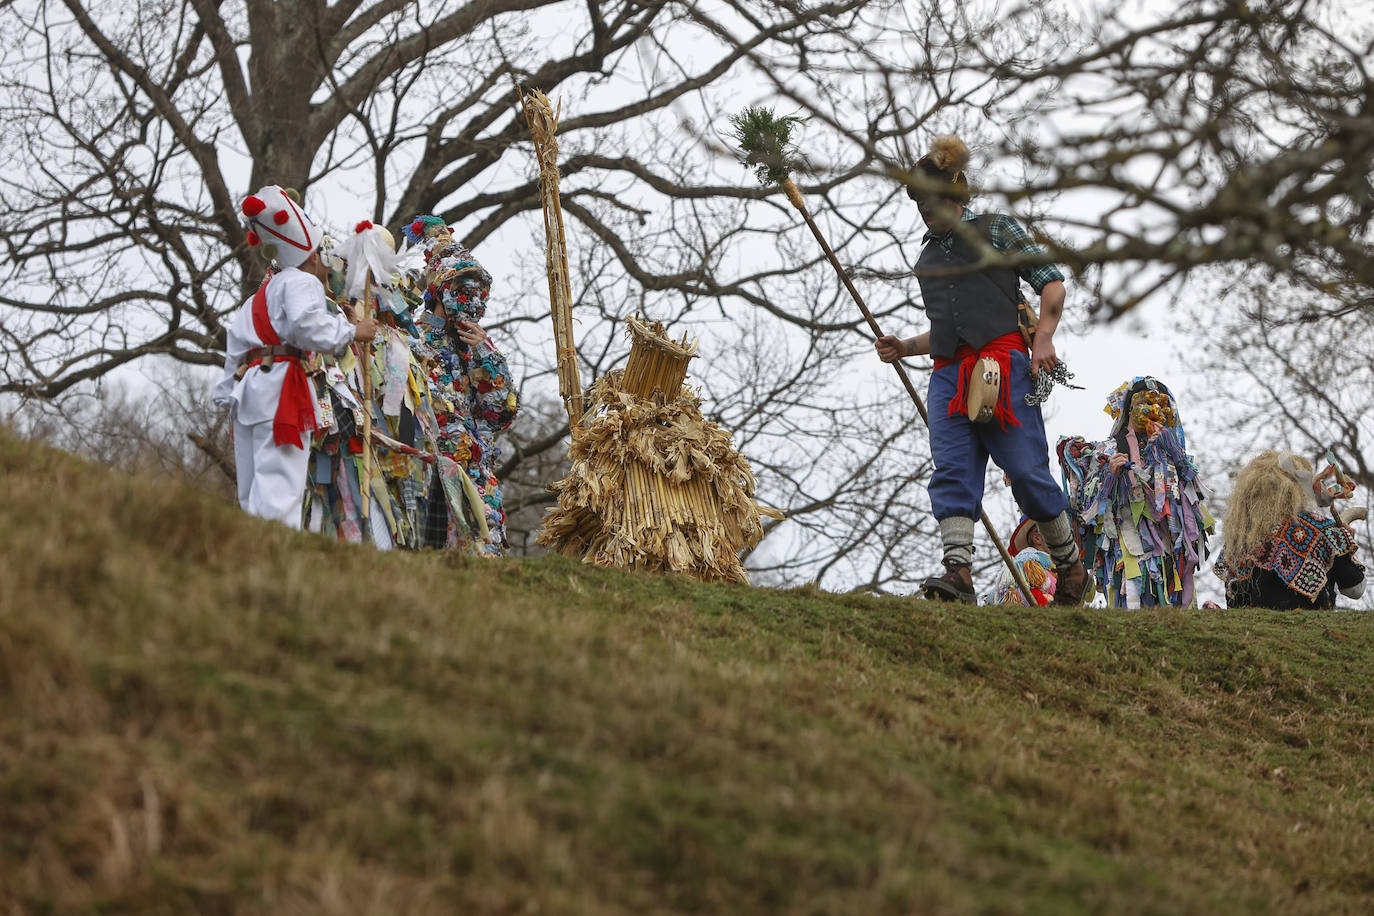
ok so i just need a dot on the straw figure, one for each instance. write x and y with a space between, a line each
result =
653 484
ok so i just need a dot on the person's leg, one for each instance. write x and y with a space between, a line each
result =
1023 453
1132 589
278 488
956 486
435 532
243 462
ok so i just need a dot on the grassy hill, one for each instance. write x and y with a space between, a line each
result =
205 713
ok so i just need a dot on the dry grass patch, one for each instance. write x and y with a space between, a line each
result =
200 712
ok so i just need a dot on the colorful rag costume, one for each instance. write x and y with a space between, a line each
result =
264 385
1145 529
1299 566
434 408
475 395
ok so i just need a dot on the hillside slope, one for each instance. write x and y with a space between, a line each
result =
205 713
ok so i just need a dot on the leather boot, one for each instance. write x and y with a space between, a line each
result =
1075 584
955 585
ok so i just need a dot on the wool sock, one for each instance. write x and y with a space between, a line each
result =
1132 589
956 534
1059 540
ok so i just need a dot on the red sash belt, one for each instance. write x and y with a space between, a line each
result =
296 406
1000 349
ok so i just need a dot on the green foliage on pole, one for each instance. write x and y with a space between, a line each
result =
766 142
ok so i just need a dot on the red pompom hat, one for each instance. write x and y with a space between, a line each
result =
278 224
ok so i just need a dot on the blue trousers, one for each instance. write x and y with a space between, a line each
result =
961 449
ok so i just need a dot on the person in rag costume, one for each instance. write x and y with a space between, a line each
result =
1140 500
474 391
1281 550
264 385
983 372
1027 549
367 267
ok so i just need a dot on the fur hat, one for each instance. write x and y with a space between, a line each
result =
279 228
946 161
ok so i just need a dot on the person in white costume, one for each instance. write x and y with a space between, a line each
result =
264 385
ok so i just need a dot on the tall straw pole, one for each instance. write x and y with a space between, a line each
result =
543 124
765 141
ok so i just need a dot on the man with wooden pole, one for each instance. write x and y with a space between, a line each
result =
766 143
982 387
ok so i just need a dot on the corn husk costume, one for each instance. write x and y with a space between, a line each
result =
654 485
435 404
1145 529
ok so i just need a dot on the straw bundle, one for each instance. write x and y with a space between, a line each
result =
656 362
543 124
654 485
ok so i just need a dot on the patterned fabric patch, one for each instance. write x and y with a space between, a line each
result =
1300 553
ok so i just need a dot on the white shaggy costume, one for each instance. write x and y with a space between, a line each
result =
264 388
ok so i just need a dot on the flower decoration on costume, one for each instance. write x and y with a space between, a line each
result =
1152 407
1117 399
424 227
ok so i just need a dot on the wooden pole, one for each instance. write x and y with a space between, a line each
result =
795 198
365 365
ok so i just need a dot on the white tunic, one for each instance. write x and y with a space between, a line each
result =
271 477
301 317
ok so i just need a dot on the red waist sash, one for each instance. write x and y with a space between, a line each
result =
296 406
1000 349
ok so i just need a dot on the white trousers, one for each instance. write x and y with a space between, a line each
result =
271 477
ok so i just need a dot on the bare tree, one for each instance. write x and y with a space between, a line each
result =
166 427
132 132
1144 150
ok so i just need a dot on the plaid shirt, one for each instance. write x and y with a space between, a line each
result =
1007 235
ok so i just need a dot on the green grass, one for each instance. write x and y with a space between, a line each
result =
205 713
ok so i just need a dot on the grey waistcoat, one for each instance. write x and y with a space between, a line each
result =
971 308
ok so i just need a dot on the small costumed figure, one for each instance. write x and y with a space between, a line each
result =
1281 550
264 385
473 392
1140 500
1027 548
